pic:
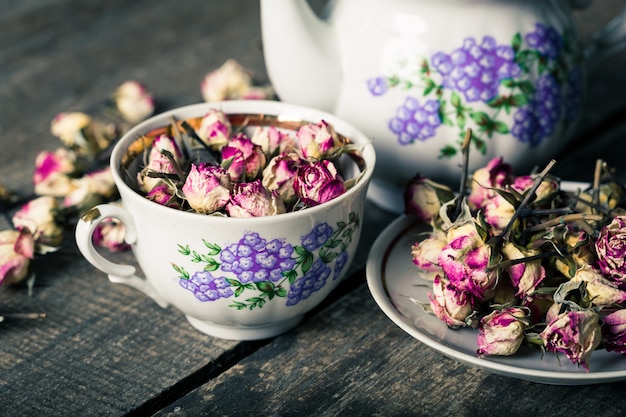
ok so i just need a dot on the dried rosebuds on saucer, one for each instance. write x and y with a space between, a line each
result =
526 261
220 169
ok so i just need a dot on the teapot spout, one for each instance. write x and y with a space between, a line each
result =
301 54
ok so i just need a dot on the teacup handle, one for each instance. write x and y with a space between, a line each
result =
118 273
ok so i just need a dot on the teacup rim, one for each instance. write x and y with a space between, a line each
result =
269 107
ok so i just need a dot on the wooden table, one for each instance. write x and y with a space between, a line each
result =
108 350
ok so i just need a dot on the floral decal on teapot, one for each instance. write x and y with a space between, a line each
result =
537 79
264 269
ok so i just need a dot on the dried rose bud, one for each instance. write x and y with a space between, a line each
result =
449 304
501 332
527 275
319 141
80 133
280 174
465 259
244 158
423 198
525 182
614 331
318 182
611 249
38 217
609 196
425 254
228 82
159 162
273 141
496 174
52 170
215 129
17 248
91 189
164 194
580 248
576 334
251 199
110 234
69 126
601 291
498 212
207 188
134 102
258 93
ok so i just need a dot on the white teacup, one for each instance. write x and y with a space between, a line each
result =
194 261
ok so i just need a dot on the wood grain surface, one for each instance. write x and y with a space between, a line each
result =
109 350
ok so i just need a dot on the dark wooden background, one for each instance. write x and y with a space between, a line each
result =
108 350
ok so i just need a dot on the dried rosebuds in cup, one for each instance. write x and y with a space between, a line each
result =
243 165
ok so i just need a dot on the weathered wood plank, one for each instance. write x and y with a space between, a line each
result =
352 360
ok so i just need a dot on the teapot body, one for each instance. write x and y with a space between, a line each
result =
416 74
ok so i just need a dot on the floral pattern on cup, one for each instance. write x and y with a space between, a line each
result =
260 270
537 78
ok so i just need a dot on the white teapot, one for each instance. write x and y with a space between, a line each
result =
414 75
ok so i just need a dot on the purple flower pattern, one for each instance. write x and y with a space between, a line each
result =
536 78
273 268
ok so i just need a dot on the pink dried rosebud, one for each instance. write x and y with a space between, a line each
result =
579 246
611 250
601 291
425 254
52 172
251 199
159 161
215 129
38 217
614 331
318 182
576 334
134 102
228 82
17 248
91 189
496 174
609 196
280 175
273 141
423 198
319 141
69 127
258 93
538 304
207 188
465 260
164 195
525 182
526 276
243 159
110 234
501 332
80 133
498 212
450 304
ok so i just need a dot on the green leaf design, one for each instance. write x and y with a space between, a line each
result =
214 249
281 292
265 286
291 276
212 265
516 42
455 100
184 249
307 262
501 127
480 118
183 273
447 151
